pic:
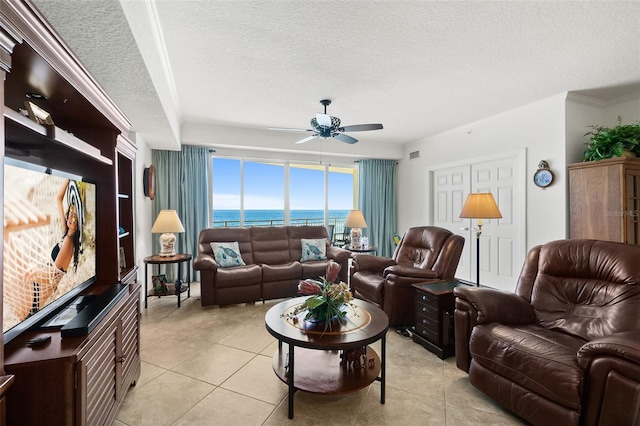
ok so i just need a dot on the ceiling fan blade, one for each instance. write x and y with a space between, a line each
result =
288 129
346 138
361 127
307 139
323 120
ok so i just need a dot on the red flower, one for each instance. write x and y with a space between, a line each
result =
309 287
333 269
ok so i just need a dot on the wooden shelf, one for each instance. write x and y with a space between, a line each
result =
52 134
171 290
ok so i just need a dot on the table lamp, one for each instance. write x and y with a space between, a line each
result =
355 221
480 206
166 224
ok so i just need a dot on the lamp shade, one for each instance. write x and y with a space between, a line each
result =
355 219
480 205
167 221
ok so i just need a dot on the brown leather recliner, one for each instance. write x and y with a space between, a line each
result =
426 253
565 348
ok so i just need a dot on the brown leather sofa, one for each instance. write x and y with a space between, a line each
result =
426 253
565 348
273 268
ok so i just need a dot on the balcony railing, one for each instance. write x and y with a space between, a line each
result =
337 222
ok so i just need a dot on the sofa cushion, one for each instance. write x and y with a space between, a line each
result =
270 245
219 234
540 360
314 249
314 269
288 271
297 233
227 254
239 276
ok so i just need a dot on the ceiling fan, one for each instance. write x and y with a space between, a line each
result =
325 126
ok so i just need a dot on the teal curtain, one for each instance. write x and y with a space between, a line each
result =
182 185
377 201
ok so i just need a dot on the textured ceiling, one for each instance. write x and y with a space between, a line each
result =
418 67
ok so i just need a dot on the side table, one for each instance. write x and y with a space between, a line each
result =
173 289
435 305
361 249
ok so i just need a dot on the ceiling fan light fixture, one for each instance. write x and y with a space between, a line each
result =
322 129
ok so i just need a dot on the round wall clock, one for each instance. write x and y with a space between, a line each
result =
543 177
149 182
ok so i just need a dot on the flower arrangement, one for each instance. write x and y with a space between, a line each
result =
327 299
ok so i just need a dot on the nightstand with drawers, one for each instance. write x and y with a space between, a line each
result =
435 305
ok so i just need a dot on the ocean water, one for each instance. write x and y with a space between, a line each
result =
276 217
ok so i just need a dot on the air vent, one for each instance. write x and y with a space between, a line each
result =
414 154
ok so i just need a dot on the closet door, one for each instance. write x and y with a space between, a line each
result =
502 242
450 188
501 256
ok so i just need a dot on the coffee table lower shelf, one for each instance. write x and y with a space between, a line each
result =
320 371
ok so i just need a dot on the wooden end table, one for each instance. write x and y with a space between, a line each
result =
174 289
435 306
316 365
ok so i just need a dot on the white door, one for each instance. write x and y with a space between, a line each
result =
450 189
502 241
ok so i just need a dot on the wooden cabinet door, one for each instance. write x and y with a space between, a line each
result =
99 375
130 341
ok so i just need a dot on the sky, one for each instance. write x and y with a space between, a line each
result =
264 187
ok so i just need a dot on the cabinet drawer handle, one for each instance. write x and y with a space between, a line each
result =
121 359
425 321
425 297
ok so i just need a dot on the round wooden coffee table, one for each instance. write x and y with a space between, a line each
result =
318 357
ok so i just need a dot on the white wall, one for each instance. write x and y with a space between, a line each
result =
628 108
537 128
552 130
144 207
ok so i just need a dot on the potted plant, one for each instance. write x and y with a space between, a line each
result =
610 142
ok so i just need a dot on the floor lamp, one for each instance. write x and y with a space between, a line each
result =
480 205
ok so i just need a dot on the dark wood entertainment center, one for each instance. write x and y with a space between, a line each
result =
81 378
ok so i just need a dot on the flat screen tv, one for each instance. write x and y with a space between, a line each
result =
49 252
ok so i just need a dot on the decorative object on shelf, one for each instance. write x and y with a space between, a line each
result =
543 177
480 205
355 221
160 283
149 182
609 142
166 224
38 114
352 358
328 299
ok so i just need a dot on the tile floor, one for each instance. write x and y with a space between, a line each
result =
212 366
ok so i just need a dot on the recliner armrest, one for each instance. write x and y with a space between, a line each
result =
408 271
494 305
367 262
477 305
625 345
338 254
205 262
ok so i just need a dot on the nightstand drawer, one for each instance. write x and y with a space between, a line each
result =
426 310
427 299
425 333
427 322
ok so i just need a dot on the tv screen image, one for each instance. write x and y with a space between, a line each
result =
49 240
